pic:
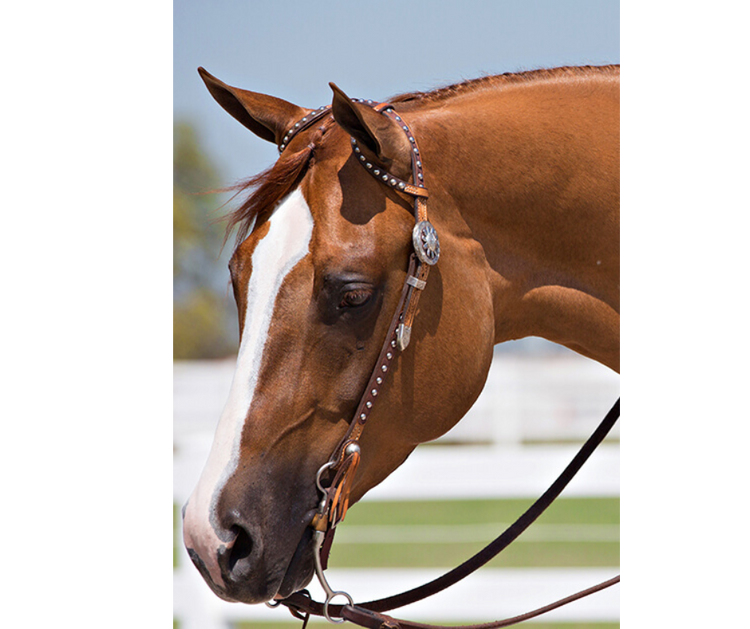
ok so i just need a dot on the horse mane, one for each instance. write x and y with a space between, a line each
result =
267 188
499 80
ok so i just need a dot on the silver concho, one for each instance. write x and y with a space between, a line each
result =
426 243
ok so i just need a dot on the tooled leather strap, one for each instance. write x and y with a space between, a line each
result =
302 124
345 457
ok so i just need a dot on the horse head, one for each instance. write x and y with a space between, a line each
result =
317 275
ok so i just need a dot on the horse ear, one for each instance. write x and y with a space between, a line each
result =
266 116
377 132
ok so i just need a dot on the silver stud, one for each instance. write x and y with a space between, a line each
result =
398 118
362 158
379 380
411 139
352 448
384 368
405 128
416 150
363 416
376 172
393 182
304 119
393 343
420 176
401 186
389 355
385 177
368 165
368 404
419 164
374 392
357 150
354 141
296 124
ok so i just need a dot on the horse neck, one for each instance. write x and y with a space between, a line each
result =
533 171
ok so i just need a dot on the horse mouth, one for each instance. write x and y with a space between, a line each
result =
301 568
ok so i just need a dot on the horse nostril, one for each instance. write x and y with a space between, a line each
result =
241 548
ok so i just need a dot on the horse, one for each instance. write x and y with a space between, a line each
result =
521 172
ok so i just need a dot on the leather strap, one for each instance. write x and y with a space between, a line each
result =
302 124
344 459
337 494
373 620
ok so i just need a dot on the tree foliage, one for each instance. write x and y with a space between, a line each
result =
204 314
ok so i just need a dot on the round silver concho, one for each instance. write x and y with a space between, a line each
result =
426 242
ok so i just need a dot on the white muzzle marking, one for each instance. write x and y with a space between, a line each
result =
284 246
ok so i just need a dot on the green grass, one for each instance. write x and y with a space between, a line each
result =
562 511
573 532
175 535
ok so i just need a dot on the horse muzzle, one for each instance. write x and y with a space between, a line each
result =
244 562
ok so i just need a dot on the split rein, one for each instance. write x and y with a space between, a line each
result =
344 461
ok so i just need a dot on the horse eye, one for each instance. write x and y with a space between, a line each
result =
355 298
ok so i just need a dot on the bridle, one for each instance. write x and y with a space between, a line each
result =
343 463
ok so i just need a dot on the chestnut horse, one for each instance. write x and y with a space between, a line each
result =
523 178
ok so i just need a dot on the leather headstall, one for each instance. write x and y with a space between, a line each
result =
345 458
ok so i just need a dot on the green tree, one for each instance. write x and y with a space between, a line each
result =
204 313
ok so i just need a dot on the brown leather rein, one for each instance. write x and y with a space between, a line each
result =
342 465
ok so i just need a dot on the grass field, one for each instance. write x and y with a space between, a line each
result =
573 532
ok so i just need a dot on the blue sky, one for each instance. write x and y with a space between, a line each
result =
292 49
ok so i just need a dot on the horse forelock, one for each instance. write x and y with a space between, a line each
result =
264 191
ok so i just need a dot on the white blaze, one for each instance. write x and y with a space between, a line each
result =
284 246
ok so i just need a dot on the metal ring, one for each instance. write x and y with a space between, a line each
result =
320 472
328 601
273 604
